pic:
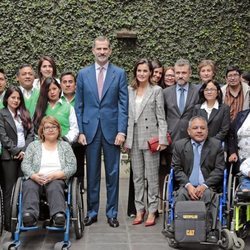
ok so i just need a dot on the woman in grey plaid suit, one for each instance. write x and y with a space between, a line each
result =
146 120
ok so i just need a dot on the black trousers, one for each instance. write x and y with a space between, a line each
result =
131 195
11 170
79 151
54 193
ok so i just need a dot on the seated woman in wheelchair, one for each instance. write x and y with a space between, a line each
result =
199 168
47 164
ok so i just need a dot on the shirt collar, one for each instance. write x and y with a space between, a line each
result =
27 91
65 98
201 143
204 105
97 66
185 86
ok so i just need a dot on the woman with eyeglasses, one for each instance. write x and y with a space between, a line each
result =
50 103
16 132
169 77
211 107
47 164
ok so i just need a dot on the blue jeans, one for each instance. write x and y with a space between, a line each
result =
245 183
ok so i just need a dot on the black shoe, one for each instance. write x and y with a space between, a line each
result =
29 220
89 220
169 232
212 237
113 222
59 219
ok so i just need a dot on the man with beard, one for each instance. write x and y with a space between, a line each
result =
179 103
101 105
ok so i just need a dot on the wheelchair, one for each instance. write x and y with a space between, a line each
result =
1 211
192 221
238 207
74 215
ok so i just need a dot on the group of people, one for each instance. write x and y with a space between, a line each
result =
48 125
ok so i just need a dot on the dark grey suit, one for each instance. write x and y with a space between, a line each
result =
212 161
177 122
218 122
212 168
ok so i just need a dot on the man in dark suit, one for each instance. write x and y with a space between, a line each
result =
199 167
179 102
101 105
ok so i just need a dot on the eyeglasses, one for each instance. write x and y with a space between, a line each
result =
51 128
166 76
233 75
210 90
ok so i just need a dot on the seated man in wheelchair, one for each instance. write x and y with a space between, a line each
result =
47 164
198 163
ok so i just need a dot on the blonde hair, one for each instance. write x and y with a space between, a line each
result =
53 121
206 62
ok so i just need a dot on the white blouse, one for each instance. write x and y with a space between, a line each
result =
50 161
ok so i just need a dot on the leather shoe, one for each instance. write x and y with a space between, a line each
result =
29 220
89 220
59 219
212 237
113 222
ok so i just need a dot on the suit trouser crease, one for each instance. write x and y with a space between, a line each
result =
145 165
111 163
54 193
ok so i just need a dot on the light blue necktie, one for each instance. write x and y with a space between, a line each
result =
182 100
194 177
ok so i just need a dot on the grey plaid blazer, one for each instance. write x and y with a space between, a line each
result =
151 120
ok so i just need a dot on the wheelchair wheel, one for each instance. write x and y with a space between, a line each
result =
14 205
1 211
165 202
226 239
77 208
241 244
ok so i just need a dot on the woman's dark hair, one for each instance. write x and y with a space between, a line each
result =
204 85
24 113
157 64
40 62
134 83
43 100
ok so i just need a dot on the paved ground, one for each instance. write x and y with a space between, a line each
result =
100 236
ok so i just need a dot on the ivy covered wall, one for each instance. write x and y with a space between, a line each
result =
166 29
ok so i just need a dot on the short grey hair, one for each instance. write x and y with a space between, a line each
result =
182 62
198 118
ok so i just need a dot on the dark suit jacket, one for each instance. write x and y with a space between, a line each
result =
218 122
8 135
111 112
212 161
177 122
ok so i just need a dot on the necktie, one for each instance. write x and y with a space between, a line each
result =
182 100
100 82
194 177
